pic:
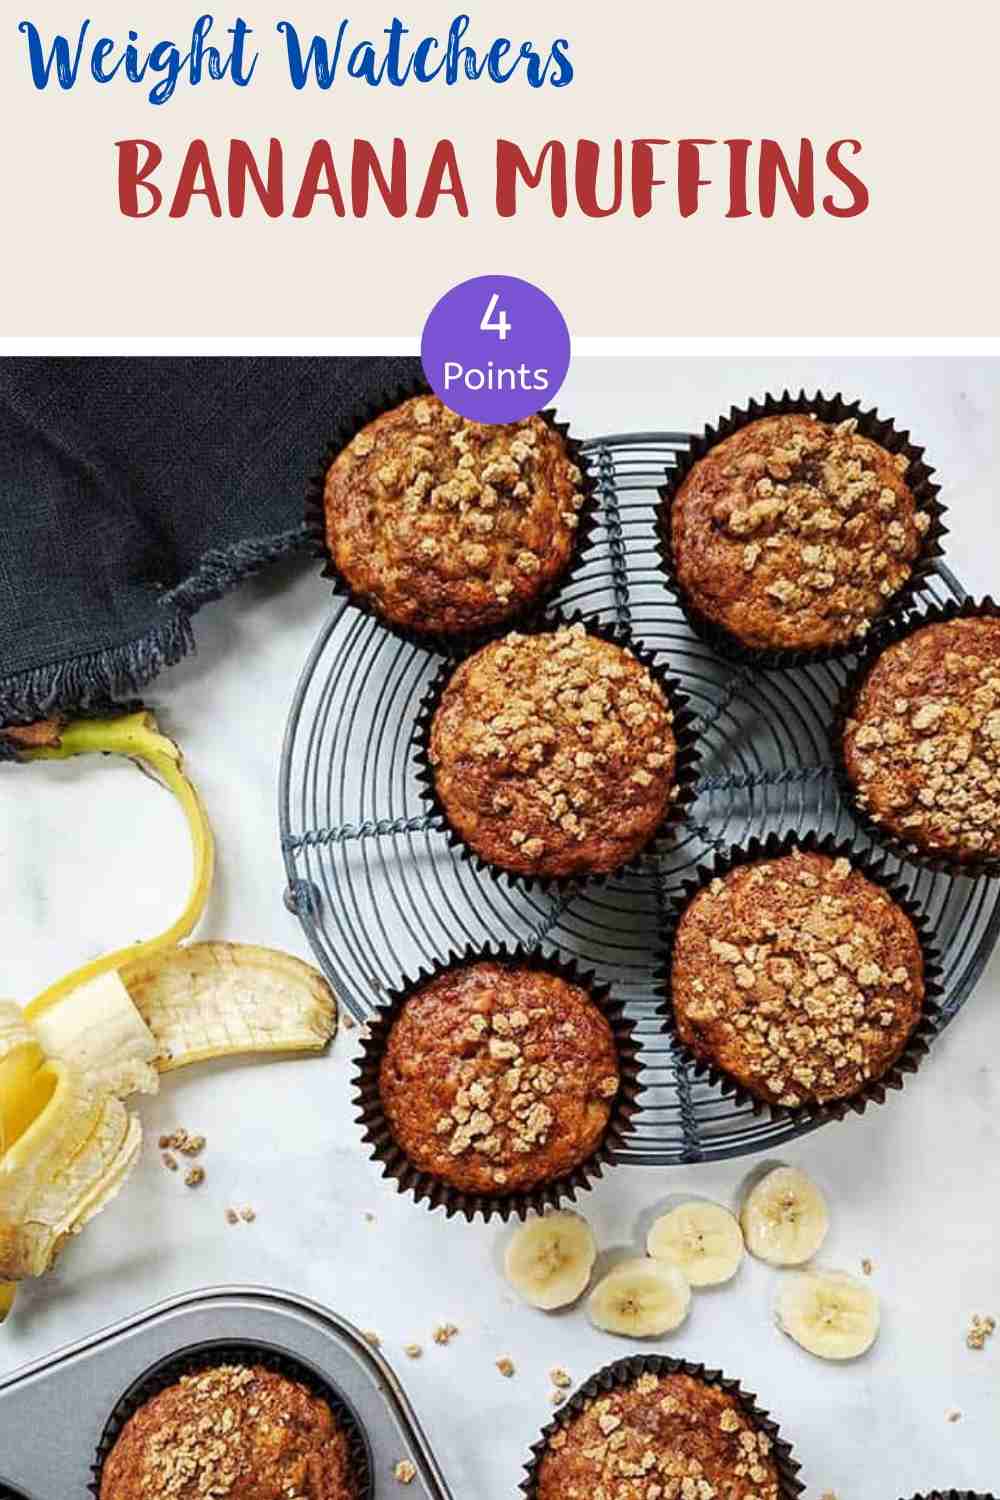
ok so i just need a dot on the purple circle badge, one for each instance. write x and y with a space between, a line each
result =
496 349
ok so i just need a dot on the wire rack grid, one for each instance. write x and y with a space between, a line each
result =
380 893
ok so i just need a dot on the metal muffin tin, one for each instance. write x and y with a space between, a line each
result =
43 1456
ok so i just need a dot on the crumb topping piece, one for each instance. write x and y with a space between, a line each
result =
497 1076
793 533
797 976
554 753
980 1329
234 1430
405 1471
449 525
923 747
669 1437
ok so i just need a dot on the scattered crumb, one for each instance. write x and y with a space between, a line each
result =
168 1161
444 1333
194 1177
506 1367
369 1218
347 1020
831 1494
370 1337
232 1217
248 1214
560 1378
405 1472
867 1267
980 1329
557 1398
192 1145
953 1415
412 1351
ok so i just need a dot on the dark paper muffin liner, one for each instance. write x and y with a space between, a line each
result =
454 643
953 1495
881 430
912 854
431 1190
207 1355
918 1043
626 1371
685 775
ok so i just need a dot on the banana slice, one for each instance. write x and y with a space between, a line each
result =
640 1298
98 1029
784 1218
69 1162
210 1000
703 1239
830 1313
549 1261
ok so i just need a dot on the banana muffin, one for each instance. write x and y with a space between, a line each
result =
661 1435
797 977
554 754
794 533
922 744
445 526
498 1078
242 1431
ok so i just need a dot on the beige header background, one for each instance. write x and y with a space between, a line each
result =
915 82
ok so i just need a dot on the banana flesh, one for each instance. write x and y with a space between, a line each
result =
640 1299
69 1162
98 1029
831 1314
703 1239
785 1218
549 1260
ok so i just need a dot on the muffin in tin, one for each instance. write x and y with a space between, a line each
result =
554 753
499 1078
449 527
663 1435
921 745
239 1430
798 978
794 533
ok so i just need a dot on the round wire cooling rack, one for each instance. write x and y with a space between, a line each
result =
380 893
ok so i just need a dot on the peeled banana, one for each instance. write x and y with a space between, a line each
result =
785 1218
107 1030
830 1313
703 1239
640 1298
549 1261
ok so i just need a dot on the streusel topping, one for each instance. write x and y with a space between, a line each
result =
495 1077
798 977
554 753
233 1430
664 1437
793 533
923 746
447 524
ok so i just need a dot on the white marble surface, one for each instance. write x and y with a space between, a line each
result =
91 855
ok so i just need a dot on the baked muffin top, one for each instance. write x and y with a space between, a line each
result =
446 525
238 1431
553 754
794 533
673 1437
798 977
499 1077
923 745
